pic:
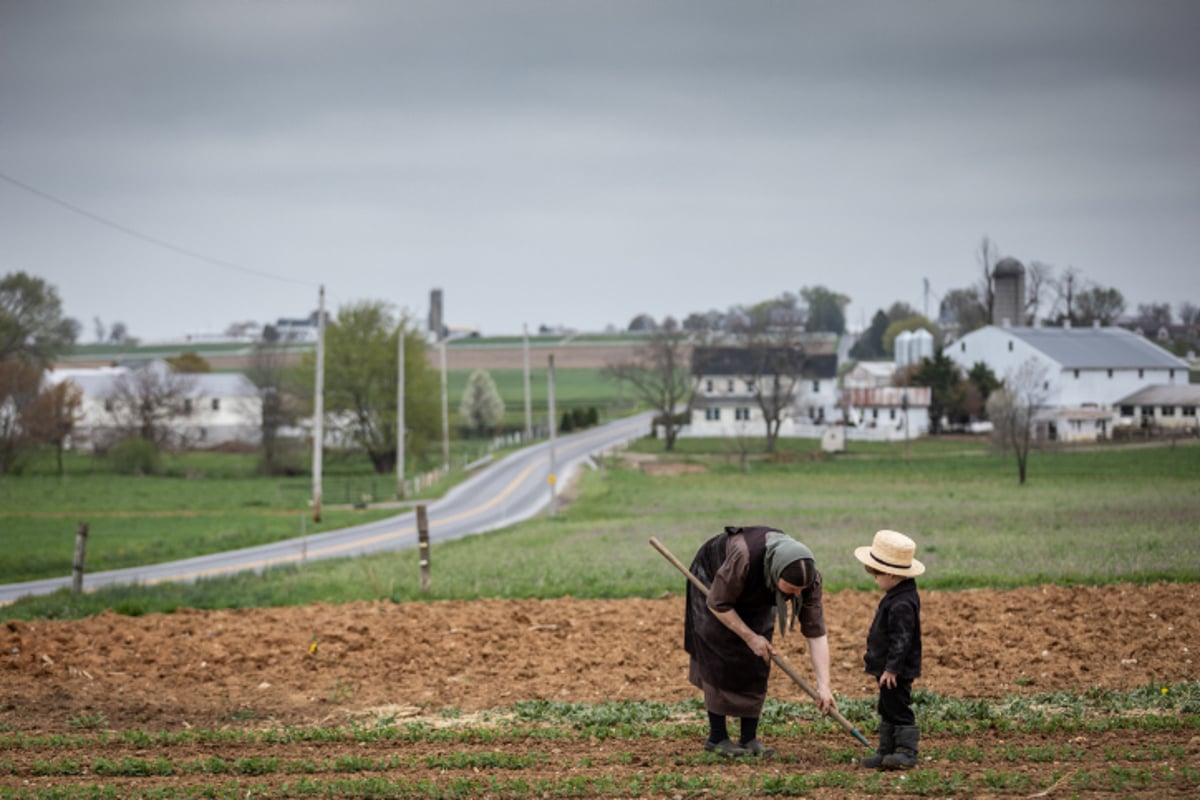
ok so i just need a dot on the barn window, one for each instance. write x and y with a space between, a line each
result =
708 385
1076 374
742 414
216 404
712 414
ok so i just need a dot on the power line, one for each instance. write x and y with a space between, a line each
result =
83 212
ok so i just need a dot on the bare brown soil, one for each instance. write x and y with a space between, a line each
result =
326 665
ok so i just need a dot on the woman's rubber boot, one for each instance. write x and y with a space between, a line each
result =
887 745
905 755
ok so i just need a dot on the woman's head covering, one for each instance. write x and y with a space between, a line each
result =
788 559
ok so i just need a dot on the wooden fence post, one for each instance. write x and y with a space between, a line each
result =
80 552
423 546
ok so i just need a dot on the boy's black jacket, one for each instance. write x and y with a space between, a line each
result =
894 641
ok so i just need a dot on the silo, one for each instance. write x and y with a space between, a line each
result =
901 348
921 345
1008 285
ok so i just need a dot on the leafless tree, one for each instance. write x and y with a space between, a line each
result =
147 399
774 361
1152 316
268 371
1039 279
1189 314
18 389
52 416
987 256
1066 286
1014 407
659 373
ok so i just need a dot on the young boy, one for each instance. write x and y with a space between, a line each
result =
894 646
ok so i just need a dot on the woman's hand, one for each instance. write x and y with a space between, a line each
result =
761 647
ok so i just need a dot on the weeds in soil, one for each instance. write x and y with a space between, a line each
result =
518 753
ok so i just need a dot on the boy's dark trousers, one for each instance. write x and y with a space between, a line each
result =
898 732
895 705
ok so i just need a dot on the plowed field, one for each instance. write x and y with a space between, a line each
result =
104 682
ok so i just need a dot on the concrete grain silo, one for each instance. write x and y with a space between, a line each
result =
1008 285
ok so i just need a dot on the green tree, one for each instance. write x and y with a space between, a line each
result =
982 382
481 402
826 310
870 345
947 387
361 362
32 327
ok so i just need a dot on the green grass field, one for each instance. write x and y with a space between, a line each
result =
1085 516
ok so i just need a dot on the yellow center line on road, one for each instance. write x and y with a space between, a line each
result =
357 543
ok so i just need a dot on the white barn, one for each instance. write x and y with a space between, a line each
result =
1089 371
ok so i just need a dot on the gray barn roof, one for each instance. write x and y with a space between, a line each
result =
745 361
1097 348
1187 394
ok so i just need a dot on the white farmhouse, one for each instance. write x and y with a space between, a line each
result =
1089 372
207 409
731 379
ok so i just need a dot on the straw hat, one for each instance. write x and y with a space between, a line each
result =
891 552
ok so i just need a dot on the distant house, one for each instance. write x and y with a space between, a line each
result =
205 409
1090 372
730 381
296 330
886 413
869 375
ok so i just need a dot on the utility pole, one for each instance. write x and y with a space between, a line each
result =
445 411
400 410
528 402
553 477
319 409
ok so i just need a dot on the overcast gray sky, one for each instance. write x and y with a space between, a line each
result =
579 163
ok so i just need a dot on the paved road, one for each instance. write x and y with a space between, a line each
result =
513 489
